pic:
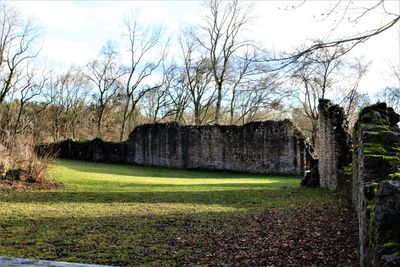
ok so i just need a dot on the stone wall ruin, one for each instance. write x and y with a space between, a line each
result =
376 183
374 169
365 168
335 148
270 147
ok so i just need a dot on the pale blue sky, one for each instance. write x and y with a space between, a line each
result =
75 31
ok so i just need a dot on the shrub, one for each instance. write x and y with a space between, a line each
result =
20 165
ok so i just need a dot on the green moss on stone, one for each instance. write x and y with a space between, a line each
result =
393 160
374 149
379 113
382 128
373 118
370 210
379 122
396 151
392 248
395 176
370 192
348 169
371 205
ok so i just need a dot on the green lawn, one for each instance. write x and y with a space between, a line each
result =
128 215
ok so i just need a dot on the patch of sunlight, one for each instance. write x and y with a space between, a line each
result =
66 174
113 178
92 210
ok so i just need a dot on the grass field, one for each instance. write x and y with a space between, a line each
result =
125 215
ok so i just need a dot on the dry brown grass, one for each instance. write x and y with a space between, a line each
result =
21 168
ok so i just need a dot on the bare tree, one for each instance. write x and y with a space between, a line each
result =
167 101
258 99
66 95
316 75
353 101
179 97
221 37
390 95
17 43
251 85
33 85
350 11
197 75
142 43
105 73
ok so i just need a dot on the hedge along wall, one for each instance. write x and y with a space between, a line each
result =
270 147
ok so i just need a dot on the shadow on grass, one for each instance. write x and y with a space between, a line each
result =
177 239
159 172
120 240
242 198
126 237
123 240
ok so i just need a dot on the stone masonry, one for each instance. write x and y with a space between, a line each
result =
335 148
259 147
370 175
270 147
376 185
374 172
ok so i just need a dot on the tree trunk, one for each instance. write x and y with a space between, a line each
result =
218 106
99 120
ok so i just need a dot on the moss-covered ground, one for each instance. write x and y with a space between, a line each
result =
128 216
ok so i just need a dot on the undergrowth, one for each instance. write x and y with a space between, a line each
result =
21 168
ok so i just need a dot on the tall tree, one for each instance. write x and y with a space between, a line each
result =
17 47
66 94
196 76
258 99
166 102
105 73
33 86
143 63
221 36
315 77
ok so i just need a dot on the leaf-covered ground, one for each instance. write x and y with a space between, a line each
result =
308 236
129 216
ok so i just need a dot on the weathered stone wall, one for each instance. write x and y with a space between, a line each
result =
94 150
260 147
375 189
335 148
376 185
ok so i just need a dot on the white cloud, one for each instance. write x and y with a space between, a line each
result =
62 16
68 52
